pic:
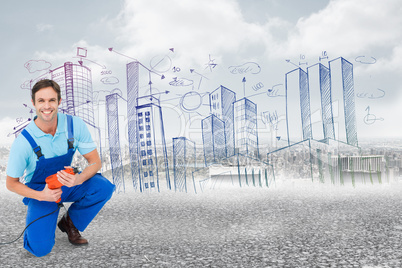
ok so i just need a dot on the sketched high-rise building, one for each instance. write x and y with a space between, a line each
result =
221 105
343 98
297 106
184 162
322 122
114 141
151 144
213 138
245 112
132 96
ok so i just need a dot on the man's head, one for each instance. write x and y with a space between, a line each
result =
44 84
46 100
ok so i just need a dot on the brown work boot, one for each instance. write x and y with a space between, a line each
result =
74 236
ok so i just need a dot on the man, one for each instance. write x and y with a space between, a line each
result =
45 147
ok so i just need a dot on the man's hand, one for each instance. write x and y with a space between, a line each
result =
67 179
51 195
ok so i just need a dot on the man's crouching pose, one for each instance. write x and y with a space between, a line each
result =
45 147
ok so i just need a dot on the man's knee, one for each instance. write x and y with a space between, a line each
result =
39 248
103 186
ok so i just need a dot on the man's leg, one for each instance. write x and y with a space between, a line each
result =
39 237
88 198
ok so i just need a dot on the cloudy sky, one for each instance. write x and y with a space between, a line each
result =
198 45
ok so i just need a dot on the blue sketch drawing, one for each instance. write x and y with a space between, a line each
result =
132 69
37 65
246 136
342 90
321 102
153 160
370 118
221 105
114 141
297 106
213 137
319 109
184 163
331 88
320 114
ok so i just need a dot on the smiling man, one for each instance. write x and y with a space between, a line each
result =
46 147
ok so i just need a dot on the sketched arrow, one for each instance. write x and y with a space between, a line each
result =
112 50
160 93
193 71
81 62
23 123
244 86
145 67
288 61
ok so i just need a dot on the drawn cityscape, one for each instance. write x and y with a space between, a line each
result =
321 140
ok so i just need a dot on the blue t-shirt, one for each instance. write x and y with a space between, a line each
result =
22 157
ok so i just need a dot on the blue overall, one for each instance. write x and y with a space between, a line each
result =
88 198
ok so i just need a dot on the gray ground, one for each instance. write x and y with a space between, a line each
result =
292 225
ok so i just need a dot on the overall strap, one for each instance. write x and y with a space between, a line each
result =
37 150
70 129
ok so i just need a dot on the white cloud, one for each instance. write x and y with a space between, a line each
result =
195 28
198 28
347 27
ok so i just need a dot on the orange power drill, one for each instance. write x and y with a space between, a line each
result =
53 183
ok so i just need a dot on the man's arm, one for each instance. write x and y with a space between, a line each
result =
14 185
94 165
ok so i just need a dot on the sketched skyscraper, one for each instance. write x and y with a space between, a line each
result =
297 106
132 96
184 161
245 115
221 105
322 122
343 98
114 141
153 160
213 138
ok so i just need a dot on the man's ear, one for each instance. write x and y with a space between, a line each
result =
59 101
33 102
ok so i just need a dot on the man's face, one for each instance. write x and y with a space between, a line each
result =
46 104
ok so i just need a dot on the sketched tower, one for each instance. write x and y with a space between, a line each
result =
343 94
322 121
151 144
297 106
132 69
213 138
221 105
184 162
76 90
245 114
114 141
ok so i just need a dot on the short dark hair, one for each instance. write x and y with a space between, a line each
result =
45 83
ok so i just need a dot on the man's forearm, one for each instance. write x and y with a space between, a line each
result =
14 185
89 171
